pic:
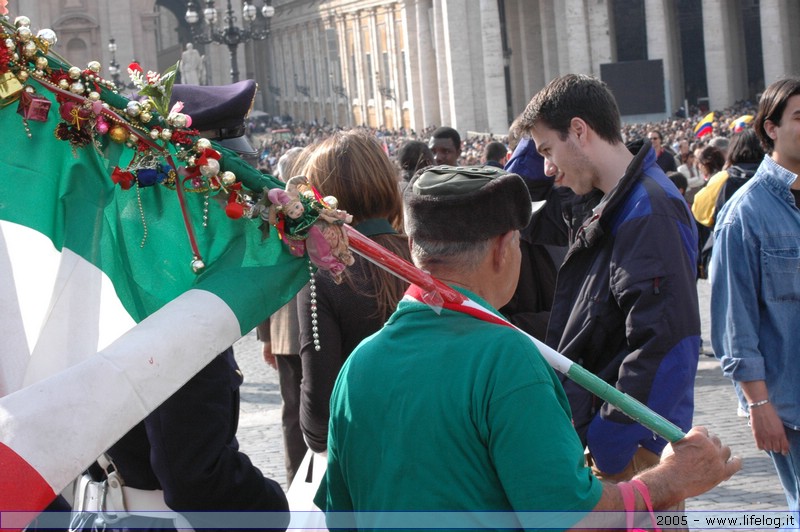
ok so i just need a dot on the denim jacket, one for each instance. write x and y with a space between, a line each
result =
755 288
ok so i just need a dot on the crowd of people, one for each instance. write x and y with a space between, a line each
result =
678 134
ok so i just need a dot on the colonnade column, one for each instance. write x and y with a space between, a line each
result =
780 38
726 61
394 77
427 73
441 53
524 28
359 53
494 79
344 66
663 42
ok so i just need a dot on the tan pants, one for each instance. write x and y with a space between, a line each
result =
642 460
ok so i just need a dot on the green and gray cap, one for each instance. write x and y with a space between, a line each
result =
465 204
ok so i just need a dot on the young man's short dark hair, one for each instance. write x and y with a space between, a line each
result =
575 96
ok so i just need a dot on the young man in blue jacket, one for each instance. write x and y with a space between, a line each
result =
625 305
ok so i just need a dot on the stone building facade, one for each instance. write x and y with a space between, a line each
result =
471 64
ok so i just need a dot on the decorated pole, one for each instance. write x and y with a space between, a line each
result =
438 295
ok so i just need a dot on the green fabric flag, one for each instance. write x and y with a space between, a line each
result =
138 237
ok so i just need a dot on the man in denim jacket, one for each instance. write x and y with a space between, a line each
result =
756 287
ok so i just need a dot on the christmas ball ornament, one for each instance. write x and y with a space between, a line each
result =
118 134
234 210
145 117
41 63
198 265
22 22
133 108
10 44
24 34
228 178
154 134
94 96
101 125
77 88
63 84
178 120
202 144
166 134
210 169
29 49
95 66
74 72
48 36
22 75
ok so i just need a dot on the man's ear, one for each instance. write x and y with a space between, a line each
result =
503 247
769 128
579 127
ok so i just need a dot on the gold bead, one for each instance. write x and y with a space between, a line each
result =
118 134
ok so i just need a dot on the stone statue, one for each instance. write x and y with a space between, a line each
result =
191 66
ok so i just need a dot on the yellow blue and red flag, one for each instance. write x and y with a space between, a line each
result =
705 126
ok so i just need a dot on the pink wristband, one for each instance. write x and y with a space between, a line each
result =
628 501
641 487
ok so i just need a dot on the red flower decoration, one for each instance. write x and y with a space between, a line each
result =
135 67
122 178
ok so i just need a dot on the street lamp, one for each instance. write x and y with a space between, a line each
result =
228 33
113 66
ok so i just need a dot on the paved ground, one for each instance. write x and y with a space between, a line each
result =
756 487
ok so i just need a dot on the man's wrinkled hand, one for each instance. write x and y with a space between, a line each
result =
700 461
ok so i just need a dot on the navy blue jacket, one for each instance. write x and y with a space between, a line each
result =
626 309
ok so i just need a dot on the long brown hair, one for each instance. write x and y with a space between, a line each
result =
352 167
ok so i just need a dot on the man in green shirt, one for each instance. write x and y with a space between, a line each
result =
451 414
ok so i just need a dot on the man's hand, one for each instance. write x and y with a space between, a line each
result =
269 358
768 429
692 466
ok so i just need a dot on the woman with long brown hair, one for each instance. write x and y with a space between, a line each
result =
334 318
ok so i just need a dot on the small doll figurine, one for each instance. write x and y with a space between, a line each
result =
326 242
